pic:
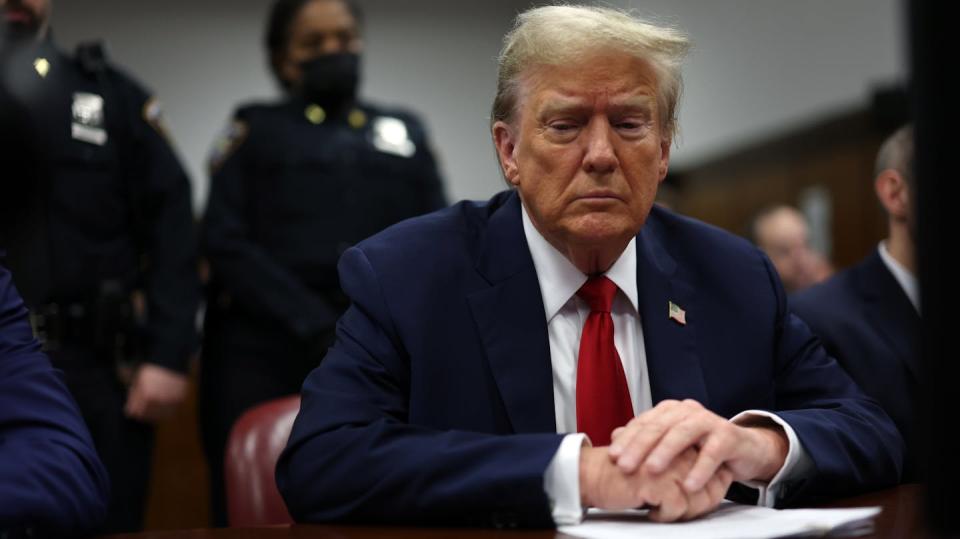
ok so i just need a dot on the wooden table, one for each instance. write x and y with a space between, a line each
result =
901 518
902 514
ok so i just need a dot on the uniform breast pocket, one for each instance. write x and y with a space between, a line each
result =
89 187
82 156
301 188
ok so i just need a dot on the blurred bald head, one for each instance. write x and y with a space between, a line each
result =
896 153
782 232
895 186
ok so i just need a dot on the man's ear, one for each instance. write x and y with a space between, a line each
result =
664 157
891 188
504 138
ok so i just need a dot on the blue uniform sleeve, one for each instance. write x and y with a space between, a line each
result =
354 456
51 480
167 233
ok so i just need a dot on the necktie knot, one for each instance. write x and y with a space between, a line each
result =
598 293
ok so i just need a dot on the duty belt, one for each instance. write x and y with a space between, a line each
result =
56 324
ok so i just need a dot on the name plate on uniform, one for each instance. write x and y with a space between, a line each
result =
87 124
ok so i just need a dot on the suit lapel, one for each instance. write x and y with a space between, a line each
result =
672 361
889 311
511 322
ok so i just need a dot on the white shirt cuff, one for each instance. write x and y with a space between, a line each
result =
795 465
561 480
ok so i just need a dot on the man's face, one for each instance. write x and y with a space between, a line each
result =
25 18
321 27
784 236
585 149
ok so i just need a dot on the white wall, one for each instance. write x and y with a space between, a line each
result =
758 66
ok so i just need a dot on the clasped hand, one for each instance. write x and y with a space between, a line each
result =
679 459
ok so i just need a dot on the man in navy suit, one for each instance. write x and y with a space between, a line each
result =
868 316
564 345
51 480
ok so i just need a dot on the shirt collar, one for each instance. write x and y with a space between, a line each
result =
560 279
907 280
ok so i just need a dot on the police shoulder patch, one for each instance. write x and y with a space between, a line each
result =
230 138
153 115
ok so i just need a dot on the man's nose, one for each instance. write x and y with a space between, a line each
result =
600 157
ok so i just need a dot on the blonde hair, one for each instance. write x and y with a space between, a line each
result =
559 34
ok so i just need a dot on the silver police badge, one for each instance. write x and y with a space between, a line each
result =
390 136
87 122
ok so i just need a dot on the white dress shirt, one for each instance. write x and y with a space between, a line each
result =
566 313
907 280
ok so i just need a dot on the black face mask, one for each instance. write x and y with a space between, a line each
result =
331 80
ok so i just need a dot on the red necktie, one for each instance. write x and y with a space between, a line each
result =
603 398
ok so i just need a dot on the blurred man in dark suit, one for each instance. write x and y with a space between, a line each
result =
868 316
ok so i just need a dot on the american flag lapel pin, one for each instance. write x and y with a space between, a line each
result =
677 314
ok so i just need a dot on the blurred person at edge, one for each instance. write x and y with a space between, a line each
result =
294 184
868 316
103 220
51 481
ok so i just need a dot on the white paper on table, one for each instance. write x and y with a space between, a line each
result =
729 521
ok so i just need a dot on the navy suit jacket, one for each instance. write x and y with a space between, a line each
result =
866 321
51 480
435 404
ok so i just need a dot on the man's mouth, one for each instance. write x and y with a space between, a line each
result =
599 195
17 16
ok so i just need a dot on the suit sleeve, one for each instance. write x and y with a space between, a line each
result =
852 442
168 235
241 266
51 480
353 455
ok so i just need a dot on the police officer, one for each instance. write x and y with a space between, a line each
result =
293 185
109 215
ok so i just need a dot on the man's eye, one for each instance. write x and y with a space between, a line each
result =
562 126
632 127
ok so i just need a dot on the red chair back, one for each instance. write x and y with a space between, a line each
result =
254 446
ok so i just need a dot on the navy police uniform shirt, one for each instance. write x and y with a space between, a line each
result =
113 204
292 188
